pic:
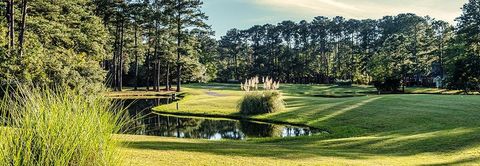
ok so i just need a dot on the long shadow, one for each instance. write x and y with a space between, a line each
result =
401 125
246 149
393 125
470 160
328 91
308 110
309 147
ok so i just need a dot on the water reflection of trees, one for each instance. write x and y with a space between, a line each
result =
136 106
223 129
139 114
255 130
198 128
169 126
295 132
144 122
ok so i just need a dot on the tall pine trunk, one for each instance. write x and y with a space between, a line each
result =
327 63
159 74
148 59
352 60
414 54
167 77
179 35
120 63
115 58
136 58
11 26
155 66
7 7
147 70
156 77
22 28
7 17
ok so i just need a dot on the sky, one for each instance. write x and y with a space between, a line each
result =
242 14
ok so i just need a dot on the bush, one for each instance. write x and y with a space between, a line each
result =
343 82
388 85
254 103
58 127
464 74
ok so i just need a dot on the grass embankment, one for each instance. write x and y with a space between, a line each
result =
419 90
140 93
416 129
222 99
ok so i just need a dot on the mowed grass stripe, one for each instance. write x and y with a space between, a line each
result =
409 129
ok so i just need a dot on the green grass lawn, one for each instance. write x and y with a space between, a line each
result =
419 90
410 129
140 93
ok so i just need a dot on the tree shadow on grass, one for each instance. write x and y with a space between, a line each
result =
308 110
468 160
329 91
322 146
392 125
245 149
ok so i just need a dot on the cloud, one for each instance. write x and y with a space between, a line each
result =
309 6
446 10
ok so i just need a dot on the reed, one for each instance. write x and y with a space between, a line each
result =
257 101
43 126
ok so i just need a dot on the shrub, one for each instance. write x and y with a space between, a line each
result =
464 74
260 102
254 103
343 82
58 127
388 85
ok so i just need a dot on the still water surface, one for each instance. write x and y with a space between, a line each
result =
148 123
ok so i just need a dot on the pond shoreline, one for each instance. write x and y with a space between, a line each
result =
238 117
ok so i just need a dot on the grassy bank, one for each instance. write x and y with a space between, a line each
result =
408 129
146 150
140 93
137 95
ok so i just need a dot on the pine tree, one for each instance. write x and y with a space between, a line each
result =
185 14
469 26
21 37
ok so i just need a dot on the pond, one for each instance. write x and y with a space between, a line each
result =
149 123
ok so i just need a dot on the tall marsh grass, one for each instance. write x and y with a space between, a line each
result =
264 101
41 126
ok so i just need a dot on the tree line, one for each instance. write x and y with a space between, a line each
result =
165 32
157 43
326 50
405 49
90 43
51 43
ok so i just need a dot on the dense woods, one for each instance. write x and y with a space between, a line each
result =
153 41
406 49
51 42
158 43
85 43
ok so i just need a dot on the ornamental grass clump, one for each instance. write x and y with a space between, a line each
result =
257 101
41 126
